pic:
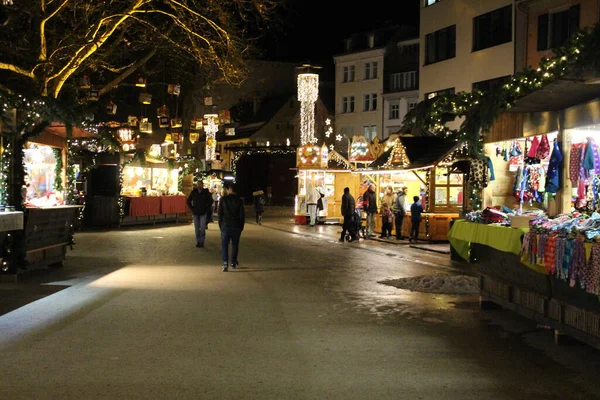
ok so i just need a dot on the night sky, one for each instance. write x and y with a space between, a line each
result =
314 30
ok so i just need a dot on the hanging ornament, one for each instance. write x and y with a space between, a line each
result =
163 122
111 108
132 120
145 98
308 93
194 137
175 90
162 111
85 82
211 128
145 126
176 123
93 95
196 123
140 81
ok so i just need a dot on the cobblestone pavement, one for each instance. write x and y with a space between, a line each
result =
141 313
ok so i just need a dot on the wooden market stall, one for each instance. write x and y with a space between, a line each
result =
424 166
523 264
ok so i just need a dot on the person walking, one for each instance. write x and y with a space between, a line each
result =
348 211
399 210
231 222
386 221
199 202
370 207
415 218
259 204
312 198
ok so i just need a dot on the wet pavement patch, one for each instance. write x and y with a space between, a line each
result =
442 284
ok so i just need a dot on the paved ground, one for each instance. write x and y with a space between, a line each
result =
141 313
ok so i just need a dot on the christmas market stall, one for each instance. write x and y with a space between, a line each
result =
534 231
422 165
328 172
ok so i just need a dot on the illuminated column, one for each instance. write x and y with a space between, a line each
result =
211 128
308 92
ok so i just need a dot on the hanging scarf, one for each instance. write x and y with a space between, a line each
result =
534 147
575 164
552 177
543 150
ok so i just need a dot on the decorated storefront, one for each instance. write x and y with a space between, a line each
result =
423 166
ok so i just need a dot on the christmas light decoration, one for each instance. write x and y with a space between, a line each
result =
308 93
398 157
211 128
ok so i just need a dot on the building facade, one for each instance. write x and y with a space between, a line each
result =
466 45
401 83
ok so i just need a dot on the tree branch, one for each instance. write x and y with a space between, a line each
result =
43 45
128 72
17 70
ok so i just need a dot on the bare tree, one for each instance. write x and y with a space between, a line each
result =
47 45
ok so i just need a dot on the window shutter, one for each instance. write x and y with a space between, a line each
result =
542 41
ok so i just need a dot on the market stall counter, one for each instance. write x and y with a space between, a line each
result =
48 232
545 272
152 209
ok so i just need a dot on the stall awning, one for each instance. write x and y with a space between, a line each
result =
422 151
558 95
59 129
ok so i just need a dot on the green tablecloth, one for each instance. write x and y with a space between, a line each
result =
498 237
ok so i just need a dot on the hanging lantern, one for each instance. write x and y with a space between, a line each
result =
155 150
175 90
194 137
211 128
176 123
111 108
140 81
230 132
93 95
162 111
208 101
85 82
125 135
145 126
225 117
163 122
308 93
145 98
168 138
177 137
196 123
132 120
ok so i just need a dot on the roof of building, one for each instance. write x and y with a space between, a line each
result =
383 36
422 151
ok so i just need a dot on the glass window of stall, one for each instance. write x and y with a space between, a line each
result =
449 190
138 181
44 179
412 180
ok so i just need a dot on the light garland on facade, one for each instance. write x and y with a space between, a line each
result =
211 128
308 93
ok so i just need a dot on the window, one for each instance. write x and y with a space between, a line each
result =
440 45
370 131
444 92
409 50
403 81
492 29
371 70
394 111
349 73
348 104
370 102
431 2
448 189
491 84
412 105
555 28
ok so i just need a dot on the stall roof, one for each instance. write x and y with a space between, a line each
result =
422 151
59 129
558 95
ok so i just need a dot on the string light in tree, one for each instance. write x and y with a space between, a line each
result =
211 128
308 93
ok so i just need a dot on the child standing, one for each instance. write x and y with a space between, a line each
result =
415 218
386 221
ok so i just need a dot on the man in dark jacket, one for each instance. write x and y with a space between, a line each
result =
231 221
200 202
348 208
370 207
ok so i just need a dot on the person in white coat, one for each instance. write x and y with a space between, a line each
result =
312 198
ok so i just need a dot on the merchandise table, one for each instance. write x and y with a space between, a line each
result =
173 204
143 206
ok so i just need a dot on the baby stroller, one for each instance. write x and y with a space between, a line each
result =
357 229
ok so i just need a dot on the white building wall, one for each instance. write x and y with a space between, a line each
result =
467 67
352 123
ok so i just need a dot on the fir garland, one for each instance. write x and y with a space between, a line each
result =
58 186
